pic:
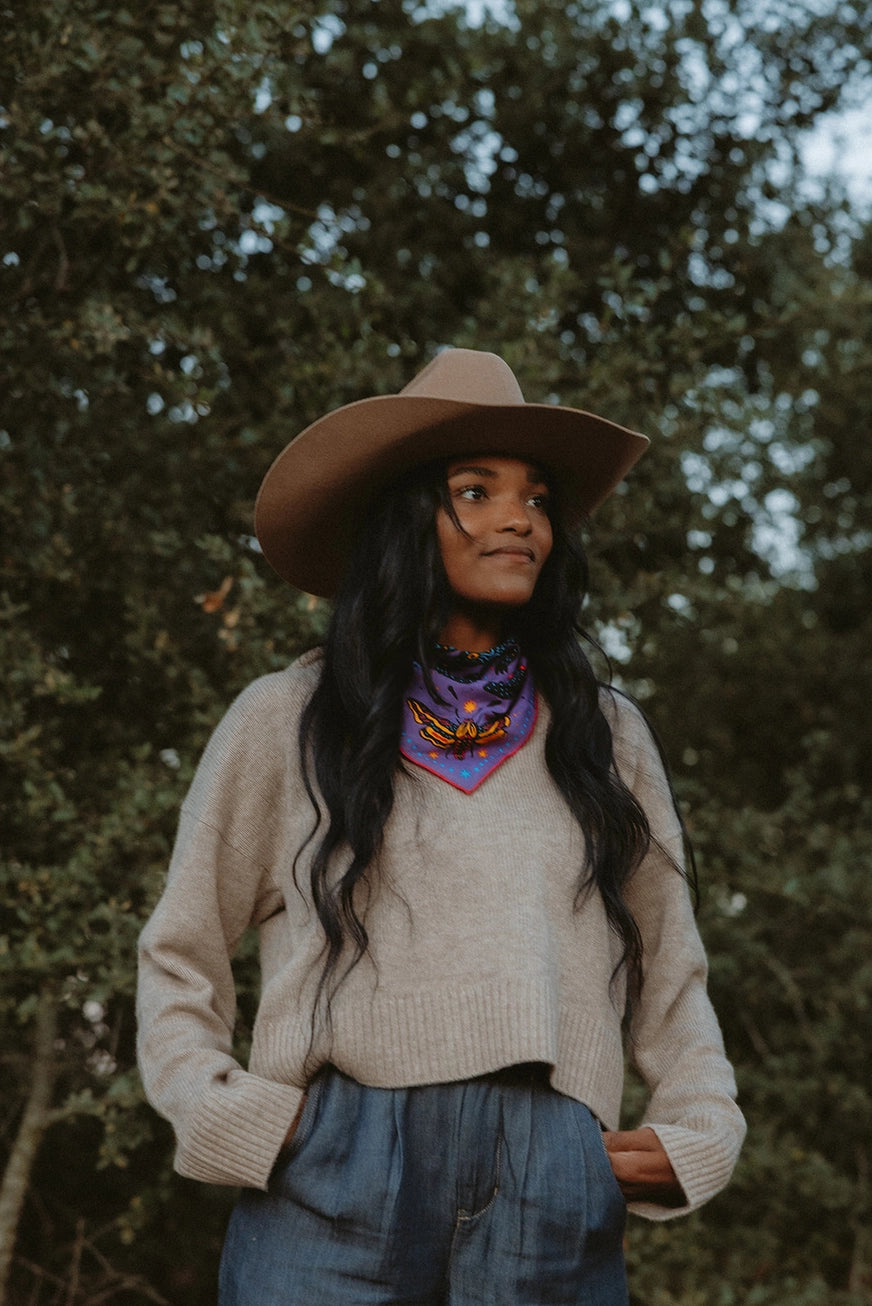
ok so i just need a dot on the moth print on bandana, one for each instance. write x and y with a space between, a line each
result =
482 712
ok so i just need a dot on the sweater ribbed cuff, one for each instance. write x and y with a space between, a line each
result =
703 1161
238 1131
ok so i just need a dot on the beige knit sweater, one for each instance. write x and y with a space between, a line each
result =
477 959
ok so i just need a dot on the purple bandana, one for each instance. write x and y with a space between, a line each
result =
485 709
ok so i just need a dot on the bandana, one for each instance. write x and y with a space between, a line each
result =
483 711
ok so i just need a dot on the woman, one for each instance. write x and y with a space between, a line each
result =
464 861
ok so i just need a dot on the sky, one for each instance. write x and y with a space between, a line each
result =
840 147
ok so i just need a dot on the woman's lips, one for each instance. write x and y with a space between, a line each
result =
512 551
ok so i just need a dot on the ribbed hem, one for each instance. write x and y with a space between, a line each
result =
449 1034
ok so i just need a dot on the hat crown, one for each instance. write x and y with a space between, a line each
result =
469 376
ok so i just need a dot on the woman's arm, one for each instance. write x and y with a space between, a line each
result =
229 1124
674 1040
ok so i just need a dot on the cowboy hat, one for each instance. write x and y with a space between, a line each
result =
463 402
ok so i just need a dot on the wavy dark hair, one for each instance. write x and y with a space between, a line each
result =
391 608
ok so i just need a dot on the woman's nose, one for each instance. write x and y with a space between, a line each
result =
516 518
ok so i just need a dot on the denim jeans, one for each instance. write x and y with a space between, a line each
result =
490 1192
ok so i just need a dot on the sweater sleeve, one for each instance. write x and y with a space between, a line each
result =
675 1039
229 1124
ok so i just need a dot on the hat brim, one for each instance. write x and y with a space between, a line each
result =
315 493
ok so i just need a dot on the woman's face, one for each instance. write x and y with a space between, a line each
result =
494 562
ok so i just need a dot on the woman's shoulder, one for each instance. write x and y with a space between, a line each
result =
623 713
634 744
300 677
257 731
272 699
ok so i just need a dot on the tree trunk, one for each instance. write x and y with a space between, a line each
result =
34 1122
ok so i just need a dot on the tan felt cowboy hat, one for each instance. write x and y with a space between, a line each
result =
463 402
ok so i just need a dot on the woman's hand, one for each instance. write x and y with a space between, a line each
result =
642 1168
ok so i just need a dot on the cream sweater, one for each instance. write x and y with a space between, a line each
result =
477 959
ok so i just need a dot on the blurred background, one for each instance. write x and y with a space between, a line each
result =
220 219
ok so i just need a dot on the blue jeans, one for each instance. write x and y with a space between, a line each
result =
491 1192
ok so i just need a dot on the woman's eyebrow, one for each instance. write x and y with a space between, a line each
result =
471 471
535 475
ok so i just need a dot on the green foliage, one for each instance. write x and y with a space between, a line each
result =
220 220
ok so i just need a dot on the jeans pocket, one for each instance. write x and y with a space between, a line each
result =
601 1176
305 1124
608 1170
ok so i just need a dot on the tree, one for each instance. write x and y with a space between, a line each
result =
222 220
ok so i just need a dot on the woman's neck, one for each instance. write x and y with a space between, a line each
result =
474 632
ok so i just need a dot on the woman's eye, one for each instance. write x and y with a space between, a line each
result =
473 492
539 501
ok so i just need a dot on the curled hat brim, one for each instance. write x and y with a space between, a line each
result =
317 490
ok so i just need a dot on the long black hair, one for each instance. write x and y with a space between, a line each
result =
392 606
